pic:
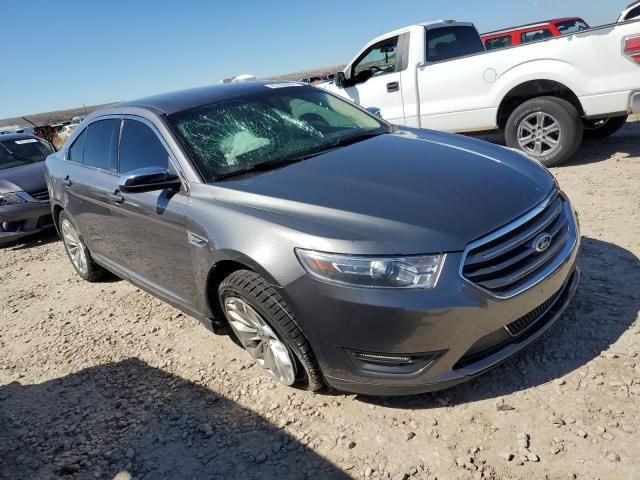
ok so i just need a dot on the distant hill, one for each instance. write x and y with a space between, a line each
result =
49 118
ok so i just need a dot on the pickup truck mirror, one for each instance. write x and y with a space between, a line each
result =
339 79
148 179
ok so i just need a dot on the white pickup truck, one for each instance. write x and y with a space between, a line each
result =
545 95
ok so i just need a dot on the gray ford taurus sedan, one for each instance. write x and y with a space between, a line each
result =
24 198
335 248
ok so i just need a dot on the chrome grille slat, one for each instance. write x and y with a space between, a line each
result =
541 222
507 260
42 196
492 284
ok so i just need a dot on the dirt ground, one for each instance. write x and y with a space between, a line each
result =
102 380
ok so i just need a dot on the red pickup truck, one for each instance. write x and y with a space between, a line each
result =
532 32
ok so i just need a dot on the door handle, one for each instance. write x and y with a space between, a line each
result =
67 181
116 197
393 86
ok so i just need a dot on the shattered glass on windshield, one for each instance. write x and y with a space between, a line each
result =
241 134
237 134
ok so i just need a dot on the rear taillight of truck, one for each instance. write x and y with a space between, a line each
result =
632 47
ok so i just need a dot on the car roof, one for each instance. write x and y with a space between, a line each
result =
16 136
172 102
534 24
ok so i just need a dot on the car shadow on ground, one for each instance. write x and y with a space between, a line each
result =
605 306
37 239
130 417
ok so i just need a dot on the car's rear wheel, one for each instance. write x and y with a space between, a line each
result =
602 128
264 326
77 250
548 129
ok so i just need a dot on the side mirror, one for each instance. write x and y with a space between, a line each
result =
374 111
340 79
148 179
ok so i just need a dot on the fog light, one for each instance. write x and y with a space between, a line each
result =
383 358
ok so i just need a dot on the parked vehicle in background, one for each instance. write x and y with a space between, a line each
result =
24 197
298 219
532 32
541 94
632 12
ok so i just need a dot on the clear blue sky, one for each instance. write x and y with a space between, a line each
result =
63 53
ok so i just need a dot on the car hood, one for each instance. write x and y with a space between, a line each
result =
26 178
412 191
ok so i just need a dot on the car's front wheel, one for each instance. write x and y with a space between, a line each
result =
77 250
548 129
264 326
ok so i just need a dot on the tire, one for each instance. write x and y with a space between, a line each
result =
597 129
244 287
530 121
76 249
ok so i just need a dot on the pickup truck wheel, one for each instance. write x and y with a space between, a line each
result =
265 327
77 251
595 129
548 129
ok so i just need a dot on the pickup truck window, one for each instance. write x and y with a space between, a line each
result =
379 58
498 42
535 35
444 43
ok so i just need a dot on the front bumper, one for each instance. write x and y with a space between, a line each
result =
453 332
17 221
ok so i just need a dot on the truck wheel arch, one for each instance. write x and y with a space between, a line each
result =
532 89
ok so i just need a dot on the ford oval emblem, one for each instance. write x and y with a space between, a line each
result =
542 242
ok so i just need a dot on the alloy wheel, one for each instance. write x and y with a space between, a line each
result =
74 246
539 134
260 341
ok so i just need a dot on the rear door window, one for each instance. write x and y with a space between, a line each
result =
444 43
498 42
535 35
76 151
100 144
140 147
571 26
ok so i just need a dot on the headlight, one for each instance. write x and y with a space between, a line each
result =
11 198
417 272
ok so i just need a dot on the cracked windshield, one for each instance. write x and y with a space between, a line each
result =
279 125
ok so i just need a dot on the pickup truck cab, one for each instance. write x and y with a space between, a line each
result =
543 94
632 12
532 32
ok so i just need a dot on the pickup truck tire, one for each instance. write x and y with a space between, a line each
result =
595 129
263 325
549 129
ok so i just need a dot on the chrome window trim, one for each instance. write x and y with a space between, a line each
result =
554 265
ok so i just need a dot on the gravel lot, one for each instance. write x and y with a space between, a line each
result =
102 380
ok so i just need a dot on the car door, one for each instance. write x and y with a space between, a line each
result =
91 179
151 238
374 79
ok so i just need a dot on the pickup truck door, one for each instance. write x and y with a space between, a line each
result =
375 79
454 82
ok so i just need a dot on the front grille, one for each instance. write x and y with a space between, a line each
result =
42 196
510 259
523 323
